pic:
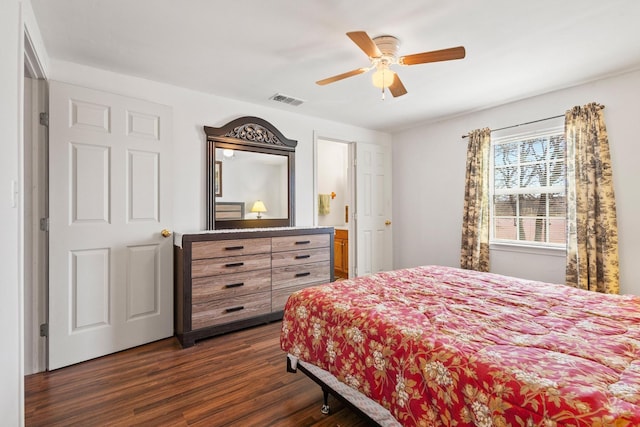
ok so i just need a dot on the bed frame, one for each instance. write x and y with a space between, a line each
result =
342 392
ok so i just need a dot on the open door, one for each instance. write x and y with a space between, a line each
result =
374 247
110 267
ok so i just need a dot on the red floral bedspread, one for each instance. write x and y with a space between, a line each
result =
440 346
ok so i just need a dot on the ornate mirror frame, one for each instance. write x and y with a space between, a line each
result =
258 136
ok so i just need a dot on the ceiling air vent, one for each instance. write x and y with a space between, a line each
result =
285 99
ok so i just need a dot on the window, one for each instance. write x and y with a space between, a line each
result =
528 189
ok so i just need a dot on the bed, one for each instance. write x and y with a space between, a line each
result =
443 346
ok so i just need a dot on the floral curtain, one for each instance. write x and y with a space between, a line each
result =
474 253
592 231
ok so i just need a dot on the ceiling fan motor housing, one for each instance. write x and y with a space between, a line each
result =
388 45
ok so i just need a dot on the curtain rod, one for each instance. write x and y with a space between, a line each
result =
528 123
522 124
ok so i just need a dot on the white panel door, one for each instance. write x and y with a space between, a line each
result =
374 249
111 269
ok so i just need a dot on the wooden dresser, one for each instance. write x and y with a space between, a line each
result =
229 280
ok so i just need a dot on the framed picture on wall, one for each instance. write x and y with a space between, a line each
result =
218 179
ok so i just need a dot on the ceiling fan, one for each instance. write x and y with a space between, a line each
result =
383 52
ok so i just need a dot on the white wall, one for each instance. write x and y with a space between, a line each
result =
192 110
11 69
429 168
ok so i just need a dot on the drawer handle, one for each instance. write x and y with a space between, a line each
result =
303 242
234 264
303 274
302 256
232 309
234 285
233 248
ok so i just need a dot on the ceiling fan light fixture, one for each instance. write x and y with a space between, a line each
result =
383 77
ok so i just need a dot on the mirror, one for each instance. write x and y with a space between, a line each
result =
245 177
250 170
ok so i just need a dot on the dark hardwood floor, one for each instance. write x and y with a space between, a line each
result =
237 379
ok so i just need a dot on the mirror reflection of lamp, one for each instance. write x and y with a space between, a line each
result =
258 207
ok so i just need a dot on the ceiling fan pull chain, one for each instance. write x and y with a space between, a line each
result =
383 76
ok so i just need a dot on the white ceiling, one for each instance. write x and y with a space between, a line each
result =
252 49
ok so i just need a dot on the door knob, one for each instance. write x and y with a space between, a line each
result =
165 233
387 222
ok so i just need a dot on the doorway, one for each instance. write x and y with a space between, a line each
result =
334 201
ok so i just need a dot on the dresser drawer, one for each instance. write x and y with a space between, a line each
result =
282 259
218 312
225 286
228 265
284 277
307 241
279 297
226 248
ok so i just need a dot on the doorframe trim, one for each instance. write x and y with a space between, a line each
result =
32 62
36 307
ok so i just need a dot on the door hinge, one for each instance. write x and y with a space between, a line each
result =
44 119
44 330
44 224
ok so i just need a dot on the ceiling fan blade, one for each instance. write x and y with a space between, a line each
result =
397 88
433 56
342 76
365 43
